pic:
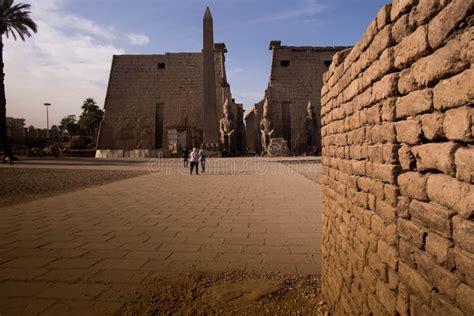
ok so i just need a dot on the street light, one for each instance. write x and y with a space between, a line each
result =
47 105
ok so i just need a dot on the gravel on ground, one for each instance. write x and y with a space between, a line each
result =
229 293
19 185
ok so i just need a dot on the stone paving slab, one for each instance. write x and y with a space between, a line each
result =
87 250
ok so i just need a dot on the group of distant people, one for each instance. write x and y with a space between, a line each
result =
194 157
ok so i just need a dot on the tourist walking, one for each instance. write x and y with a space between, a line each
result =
194 160
202 157
185 154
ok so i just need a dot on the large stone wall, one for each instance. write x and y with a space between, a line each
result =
138 86
398 164
292 85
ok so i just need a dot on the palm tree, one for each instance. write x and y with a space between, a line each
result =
15 21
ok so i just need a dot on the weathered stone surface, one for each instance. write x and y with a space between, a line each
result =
416 102
413 185
443 160
399 7
432 126
442 278
464 263
446 21
423 12
458 123
411 233
443 307
448 60
409 132
463 233
433 216
401 29
383 16
452 193
411 48
464 295
439 248
464 160
408 234
455 91
406 157
415 282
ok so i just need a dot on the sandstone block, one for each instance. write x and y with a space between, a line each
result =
383 133
464 263
386 296
411 48
433 216
359 168
413 185
391 194
401 28
406 81
399 7
443 307
443 279
408 132
381 41
447 60
423 12
383 172
406 157
464 160
415 282
414 103
386 211
388 110
451 193
435 156
455 91
373 114
463 233
406 253
390 153
383 16
375 153
464 295
442 24
432 126
385 88
411 233
439 248
458 123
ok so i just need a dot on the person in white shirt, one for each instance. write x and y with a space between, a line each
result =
194 161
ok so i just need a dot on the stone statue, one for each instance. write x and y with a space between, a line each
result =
266 128
310 127
226 125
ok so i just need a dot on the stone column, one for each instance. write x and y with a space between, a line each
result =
210 127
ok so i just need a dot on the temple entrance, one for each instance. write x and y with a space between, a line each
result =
159 125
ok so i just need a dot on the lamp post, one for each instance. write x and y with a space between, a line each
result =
47 105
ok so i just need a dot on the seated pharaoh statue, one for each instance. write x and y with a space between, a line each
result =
226 126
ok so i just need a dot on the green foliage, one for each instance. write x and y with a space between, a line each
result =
15 20
70 124
91 116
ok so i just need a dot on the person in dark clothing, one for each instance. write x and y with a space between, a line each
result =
202 157
185 154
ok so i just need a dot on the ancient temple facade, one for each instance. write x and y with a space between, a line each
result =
296 79
163 103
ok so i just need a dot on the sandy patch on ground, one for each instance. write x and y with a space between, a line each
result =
21 184
229 293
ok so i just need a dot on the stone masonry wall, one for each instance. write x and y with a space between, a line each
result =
398 164
295 85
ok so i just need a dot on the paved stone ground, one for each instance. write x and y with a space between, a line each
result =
87 250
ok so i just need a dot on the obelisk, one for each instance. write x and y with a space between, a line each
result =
210 126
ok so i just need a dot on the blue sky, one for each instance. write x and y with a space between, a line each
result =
69 59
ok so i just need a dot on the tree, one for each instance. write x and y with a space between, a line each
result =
91 116
15 21
70 124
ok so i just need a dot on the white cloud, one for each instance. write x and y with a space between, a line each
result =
67 61
138 39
